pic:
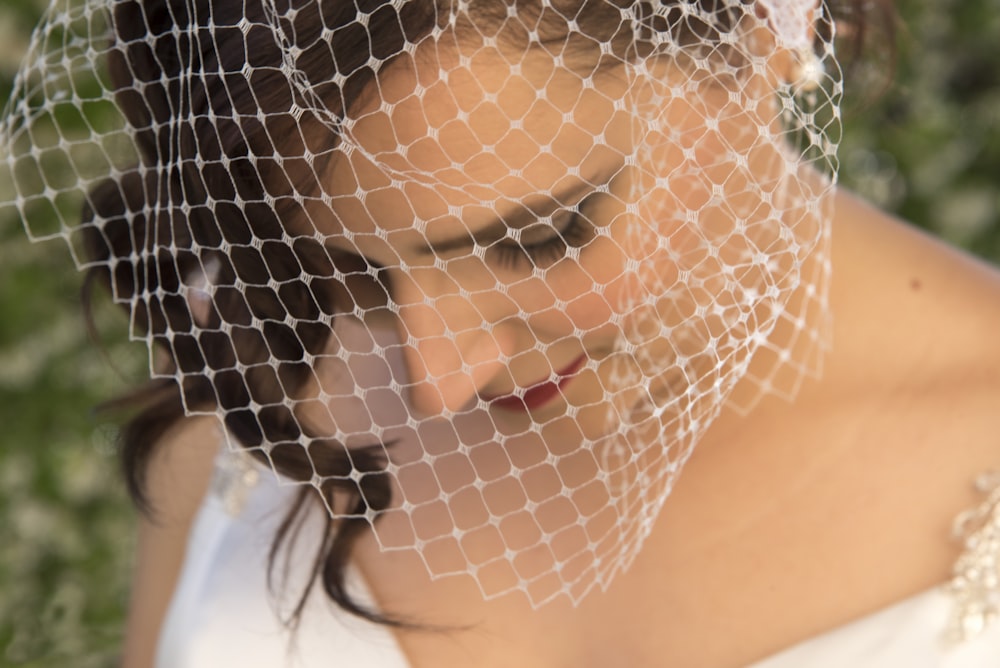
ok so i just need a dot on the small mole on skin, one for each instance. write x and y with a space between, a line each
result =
915 284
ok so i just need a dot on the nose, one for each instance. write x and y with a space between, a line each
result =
451 348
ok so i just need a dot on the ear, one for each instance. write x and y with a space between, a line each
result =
200 288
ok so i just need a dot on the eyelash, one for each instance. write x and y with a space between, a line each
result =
513 256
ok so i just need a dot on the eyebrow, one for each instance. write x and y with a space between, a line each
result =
522 216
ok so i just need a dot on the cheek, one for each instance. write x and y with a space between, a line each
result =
630 266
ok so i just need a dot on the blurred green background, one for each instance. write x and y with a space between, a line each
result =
927 147
65 522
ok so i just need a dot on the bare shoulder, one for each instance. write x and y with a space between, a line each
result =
917 348
178 478
911 298
858 480
181 469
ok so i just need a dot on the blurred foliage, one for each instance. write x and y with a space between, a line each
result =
927 147
66 527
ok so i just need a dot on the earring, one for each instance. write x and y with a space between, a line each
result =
809 71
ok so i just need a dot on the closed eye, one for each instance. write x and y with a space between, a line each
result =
563 213
517 253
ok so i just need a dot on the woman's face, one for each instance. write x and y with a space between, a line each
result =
577 270
533 223
492 208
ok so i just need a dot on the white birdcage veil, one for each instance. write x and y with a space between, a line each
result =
491 267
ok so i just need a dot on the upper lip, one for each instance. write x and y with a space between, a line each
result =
540 391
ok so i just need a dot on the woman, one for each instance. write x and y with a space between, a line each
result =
482 276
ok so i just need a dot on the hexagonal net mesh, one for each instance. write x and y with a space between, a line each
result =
483 273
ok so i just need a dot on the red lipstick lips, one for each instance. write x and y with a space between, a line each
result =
539 394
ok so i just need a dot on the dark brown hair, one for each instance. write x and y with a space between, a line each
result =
217 121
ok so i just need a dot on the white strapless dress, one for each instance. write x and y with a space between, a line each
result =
223 613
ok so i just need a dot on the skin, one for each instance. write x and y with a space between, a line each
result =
854 482
854 486
456 174
179 476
